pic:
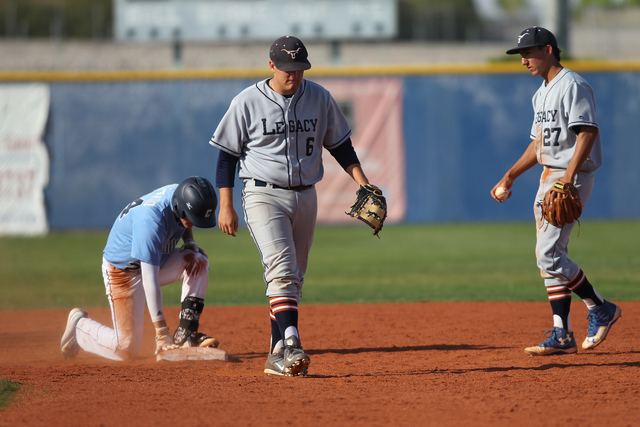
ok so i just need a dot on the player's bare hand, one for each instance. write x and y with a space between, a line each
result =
189 244
500 192
228 221
193 246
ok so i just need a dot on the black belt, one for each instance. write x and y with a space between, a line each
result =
296 188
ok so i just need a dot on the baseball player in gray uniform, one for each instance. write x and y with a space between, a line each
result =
273 133
566 142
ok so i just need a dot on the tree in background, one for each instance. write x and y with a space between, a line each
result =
84 19
437 20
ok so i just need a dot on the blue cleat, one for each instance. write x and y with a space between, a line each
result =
561 341
601 319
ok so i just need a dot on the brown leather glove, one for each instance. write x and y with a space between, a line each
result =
562 204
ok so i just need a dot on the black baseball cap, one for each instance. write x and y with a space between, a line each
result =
534 36
289 54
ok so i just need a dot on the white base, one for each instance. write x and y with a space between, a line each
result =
192 353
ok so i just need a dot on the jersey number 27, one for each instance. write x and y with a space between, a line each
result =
551 136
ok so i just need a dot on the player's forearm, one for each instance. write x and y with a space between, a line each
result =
524 163
357 174
190 242
226 169
151 285
160 324
226 197
584 145
227 218
188 235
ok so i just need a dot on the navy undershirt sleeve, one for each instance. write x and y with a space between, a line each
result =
226 169
345 154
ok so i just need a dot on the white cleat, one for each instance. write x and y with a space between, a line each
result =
68 344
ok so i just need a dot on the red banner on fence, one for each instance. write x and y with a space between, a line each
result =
374 110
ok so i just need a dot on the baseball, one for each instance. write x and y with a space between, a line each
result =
502 193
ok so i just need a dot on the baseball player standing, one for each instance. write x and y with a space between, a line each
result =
139 257
566 142
274 132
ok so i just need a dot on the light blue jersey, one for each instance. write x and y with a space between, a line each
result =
145 231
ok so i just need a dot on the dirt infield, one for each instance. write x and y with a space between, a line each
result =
371 364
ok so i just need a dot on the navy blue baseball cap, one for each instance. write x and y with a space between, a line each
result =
534 36
288 53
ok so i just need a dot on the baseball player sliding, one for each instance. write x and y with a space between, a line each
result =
139 257
273 133
566 141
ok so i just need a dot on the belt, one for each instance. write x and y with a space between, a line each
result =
259 183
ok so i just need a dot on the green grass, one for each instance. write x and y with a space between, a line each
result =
436 262
7 389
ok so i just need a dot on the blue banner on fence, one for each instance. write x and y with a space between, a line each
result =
110 142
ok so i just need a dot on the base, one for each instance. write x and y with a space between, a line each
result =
192 353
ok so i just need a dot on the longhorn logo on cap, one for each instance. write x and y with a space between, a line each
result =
522 35
293 53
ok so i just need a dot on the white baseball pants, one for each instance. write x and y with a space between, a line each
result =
127 301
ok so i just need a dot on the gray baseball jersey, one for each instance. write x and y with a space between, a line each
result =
279 139
567 101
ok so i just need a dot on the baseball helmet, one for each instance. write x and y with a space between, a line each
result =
195 199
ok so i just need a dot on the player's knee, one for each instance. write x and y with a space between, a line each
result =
547 270
560 273
284 287
548 265
127 351
195 263
126 355
545 274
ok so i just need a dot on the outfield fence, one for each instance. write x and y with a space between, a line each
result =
436 138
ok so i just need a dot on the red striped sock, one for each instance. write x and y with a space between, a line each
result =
560 300
285 312
558 292
584 289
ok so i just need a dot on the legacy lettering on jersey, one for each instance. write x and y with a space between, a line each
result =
305 125
546 116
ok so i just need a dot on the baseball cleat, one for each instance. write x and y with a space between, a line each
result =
601 319
68 344
275 364
561 341
296 361
195 339
198 339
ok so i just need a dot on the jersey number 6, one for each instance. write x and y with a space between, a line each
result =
310 146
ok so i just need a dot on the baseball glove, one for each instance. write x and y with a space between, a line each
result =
562 204
370 207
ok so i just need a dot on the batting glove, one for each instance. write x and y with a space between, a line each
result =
163 340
